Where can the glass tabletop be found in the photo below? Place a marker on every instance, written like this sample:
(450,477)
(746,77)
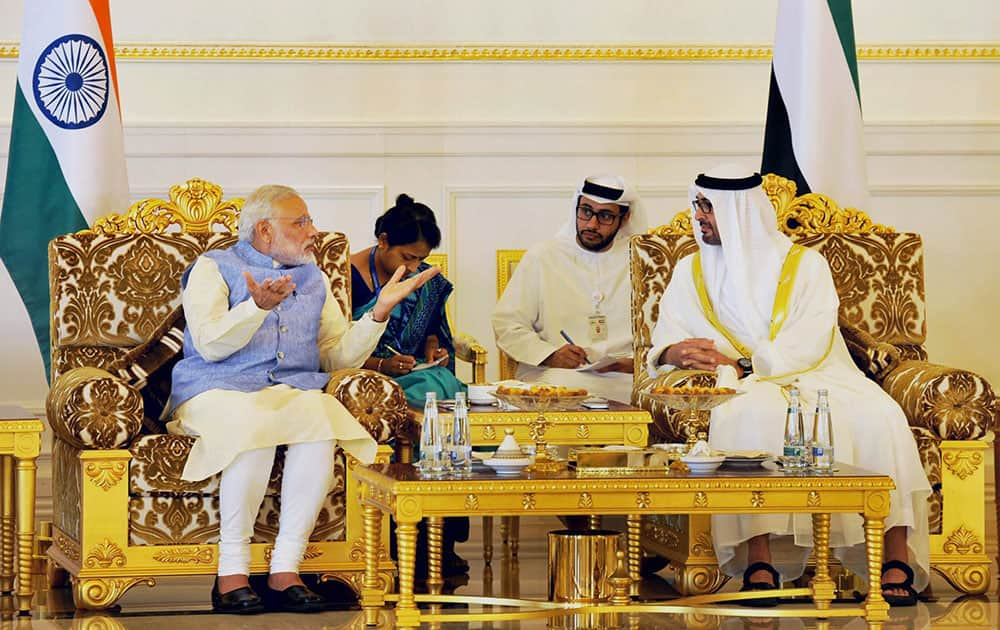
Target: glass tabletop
(481,472)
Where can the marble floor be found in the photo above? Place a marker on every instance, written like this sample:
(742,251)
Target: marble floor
(186,602)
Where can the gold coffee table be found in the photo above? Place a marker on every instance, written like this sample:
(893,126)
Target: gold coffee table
(399,490)
(20,443)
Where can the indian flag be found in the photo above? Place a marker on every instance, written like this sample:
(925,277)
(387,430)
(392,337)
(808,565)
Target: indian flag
(66,163)
(814,132)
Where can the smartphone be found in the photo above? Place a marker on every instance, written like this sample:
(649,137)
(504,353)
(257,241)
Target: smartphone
(595,402)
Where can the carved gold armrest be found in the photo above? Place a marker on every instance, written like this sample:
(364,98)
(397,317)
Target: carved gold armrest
(376,401)
(471,351)
(91,408)
(954,404)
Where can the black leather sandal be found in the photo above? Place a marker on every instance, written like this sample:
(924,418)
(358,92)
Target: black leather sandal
(910,599)
(763,602)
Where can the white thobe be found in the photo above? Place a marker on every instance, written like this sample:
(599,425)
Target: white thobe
(870,429)
(228,423)
(556,287)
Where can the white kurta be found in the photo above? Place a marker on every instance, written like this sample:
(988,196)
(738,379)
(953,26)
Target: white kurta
(870,429)
(555,287)
(228,423)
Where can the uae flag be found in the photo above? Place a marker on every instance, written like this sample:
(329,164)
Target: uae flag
(814,132)
(66,164)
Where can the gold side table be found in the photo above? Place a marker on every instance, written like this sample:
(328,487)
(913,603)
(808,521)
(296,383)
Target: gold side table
(20,443)
(619,424)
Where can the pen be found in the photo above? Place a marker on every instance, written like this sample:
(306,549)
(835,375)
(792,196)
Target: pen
(570,342)
(392,350)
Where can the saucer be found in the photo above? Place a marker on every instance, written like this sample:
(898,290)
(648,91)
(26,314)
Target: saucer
(481,402)
(508,465)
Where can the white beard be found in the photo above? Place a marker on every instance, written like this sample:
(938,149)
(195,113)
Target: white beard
(281,251)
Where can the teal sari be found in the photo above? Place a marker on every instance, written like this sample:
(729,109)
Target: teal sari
(419,315)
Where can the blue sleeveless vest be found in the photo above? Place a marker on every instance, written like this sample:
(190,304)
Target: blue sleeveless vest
(284,349)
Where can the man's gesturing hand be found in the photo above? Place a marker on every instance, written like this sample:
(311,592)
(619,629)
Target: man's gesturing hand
(269,293)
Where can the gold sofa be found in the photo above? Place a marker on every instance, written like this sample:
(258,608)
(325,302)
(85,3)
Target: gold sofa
(122,515)
(879,277)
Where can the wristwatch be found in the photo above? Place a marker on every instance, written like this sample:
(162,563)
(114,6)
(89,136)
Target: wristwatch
(746,365)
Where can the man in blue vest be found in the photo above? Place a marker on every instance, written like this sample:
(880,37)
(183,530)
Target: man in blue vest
(263,331)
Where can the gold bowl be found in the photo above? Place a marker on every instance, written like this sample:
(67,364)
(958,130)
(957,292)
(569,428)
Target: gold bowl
(542,403)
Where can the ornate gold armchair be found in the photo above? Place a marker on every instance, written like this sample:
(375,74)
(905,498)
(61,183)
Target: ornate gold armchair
(122,515)
(880,279)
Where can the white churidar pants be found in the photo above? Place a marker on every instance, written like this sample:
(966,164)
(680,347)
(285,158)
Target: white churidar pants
(306,480)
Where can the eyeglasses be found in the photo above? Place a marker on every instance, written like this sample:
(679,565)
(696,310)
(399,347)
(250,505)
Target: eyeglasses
(586,213)
(702,204)
(300,222)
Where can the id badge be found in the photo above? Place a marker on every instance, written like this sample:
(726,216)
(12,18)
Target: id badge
(598,325)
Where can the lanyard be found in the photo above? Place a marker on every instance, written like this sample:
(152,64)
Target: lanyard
(376,285)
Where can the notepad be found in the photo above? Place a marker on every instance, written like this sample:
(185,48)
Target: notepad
(424,366)
(601,363)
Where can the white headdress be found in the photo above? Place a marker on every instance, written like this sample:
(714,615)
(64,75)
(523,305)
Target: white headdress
(609,189)
(741,275)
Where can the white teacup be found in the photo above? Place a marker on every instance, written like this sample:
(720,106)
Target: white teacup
(482,394)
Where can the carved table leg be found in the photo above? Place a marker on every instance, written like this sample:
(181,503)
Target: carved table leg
(822,584)
(876,608)
(634,525)
(372,596)
(487,540)
(7,527)
(435,525)
(406,548)
(25,530)
(514,535)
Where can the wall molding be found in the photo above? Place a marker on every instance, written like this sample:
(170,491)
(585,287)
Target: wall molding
(423,52)
(523,140)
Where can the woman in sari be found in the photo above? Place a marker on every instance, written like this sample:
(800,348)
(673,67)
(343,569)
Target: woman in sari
(417,348)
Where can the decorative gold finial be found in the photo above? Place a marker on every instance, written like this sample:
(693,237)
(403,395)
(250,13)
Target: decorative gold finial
(620,582)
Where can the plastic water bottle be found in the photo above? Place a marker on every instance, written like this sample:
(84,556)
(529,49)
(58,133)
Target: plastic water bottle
(431,462)
(822,441)
(461,438)
(795,445)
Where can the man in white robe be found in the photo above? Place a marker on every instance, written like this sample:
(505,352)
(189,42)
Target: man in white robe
(263,331)
(567,303)
(721,319)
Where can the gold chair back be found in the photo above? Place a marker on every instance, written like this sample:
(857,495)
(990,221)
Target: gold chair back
(507,260)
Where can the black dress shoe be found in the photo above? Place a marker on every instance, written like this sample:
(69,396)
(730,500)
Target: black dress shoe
(241,601)
(296,598)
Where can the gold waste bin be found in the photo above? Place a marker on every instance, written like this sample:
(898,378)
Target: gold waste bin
(581,562)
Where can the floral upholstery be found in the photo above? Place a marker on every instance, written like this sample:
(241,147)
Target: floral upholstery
(66,488)
(952,404)
(90,408)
